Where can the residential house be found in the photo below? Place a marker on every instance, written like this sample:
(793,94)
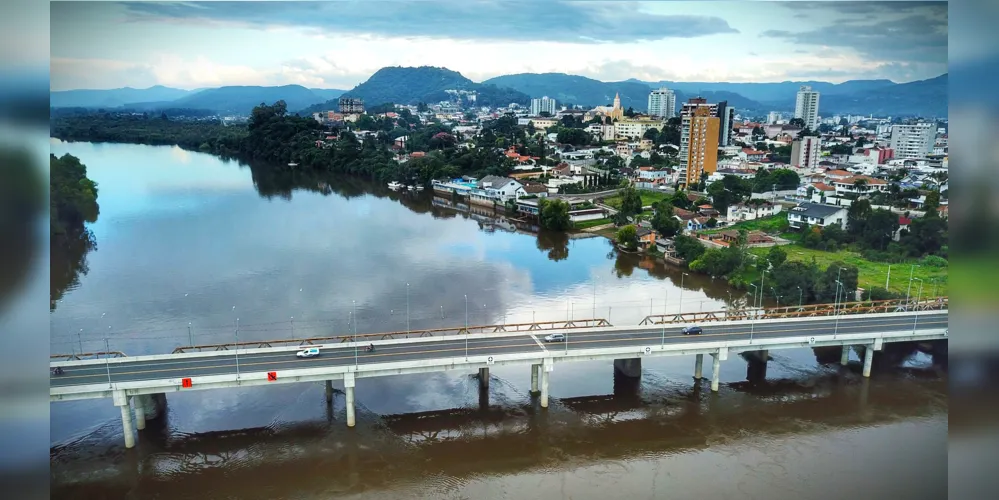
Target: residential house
(751,154)
(817,214)
(743,212)
(731,236)
(646,237)
(848,185)
(903,225)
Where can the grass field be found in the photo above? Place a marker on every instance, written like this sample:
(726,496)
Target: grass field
(591,223)
(774,224)
(648,198)
(873,273)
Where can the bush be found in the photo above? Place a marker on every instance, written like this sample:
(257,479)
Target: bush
(933,261)
(878,293)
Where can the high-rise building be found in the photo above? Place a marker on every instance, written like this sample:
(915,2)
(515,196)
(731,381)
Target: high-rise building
(544,104)
(721,110)
(805,152)
(662,103)
(351,105)
(806,106)
(698,144)
(913,140)
(773,117)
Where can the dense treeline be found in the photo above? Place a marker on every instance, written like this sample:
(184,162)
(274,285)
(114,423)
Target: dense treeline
(72,203)
(156,130)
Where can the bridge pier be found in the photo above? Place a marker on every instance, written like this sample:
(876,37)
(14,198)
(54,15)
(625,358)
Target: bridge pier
(329,392)
(535,372)
(140,412)
(121,401)
(629,367)
(348,387)
(868,360)
(716,360)
(845,356)
(698,367)
(544,386)
(484,379)
(756,365)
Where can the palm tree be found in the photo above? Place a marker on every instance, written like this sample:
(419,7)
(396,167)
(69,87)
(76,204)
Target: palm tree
(860,185)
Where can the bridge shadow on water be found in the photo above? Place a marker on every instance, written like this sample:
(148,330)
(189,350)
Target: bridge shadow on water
(446,446)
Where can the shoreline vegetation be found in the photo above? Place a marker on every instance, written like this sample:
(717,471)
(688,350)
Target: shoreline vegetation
(807,268)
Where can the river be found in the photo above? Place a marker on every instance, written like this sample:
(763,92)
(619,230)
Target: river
(189,247)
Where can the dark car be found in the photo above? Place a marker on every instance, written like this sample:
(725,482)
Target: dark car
(692,330)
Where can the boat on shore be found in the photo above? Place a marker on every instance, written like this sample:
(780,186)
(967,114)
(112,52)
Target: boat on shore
(292,164)
(394,185)
(410,188)
(419,187)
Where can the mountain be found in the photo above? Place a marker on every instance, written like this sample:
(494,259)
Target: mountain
(926,98)
(113,98)
(409,85)
(328,94)
(242,99)
(774,91)
(574,89)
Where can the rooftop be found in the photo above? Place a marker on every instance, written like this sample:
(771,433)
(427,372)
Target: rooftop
(816,210)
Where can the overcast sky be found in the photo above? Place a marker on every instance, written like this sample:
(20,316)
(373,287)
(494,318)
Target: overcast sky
(340,44)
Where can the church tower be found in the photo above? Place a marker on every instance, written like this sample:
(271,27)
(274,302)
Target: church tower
(617,113)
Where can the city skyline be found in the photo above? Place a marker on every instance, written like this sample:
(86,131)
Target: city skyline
(340,44)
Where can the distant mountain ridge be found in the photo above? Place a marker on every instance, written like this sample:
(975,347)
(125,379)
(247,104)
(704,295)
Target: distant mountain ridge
(229,99)
(412,85)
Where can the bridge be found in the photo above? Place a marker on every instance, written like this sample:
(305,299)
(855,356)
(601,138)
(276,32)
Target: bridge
(143,381)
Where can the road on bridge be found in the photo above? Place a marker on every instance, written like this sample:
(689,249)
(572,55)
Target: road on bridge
(454,347)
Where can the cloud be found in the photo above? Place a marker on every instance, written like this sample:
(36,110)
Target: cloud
(165,69)
(865,7)
(574,22)
(916,38)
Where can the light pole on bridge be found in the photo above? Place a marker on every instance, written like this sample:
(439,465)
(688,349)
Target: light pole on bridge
(236,344)
(680,307)
(353,313)
(752,319)
(107,360)
(918,295)
(407,309)
(836,327)
(466,327)
(800,295)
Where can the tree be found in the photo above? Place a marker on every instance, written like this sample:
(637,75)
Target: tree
(663,221)
(627,237)
(776,256)
(631,201)
(932,203)
(72,196)
(554,214)
(879,229)
(797,122)
(689,249)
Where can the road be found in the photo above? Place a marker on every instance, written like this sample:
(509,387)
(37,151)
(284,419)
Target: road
(225,361)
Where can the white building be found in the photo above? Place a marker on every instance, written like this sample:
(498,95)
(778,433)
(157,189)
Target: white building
(601,132)
(544,104)
(773,118)
(752,212)
(662,103)
(624,129)
(913,141)
(805,152)
(817,214)
(806,106)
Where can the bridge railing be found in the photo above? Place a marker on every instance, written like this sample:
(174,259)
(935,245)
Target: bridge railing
(430,332)
(805,311)
(87,355)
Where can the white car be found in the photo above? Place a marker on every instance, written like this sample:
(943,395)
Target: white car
(555,337)
(308,353)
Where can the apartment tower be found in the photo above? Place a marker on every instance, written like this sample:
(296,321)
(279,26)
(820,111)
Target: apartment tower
(699,144)
(806,106)
(662,103)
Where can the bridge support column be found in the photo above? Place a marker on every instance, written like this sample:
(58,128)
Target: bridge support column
(348,386)
(484,379)
(698,366)
(121,401)
(140,411)
(715,371)
(329,392)
(868,360)
(629,367)
(845,356)
(544,386)
(535,372)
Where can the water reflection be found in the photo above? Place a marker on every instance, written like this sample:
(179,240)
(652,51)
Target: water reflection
(68,261)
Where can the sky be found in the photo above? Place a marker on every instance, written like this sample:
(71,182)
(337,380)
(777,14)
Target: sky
(339,44)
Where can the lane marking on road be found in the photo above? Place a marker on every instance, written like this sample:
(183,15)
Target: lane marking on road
(437,351)
(540,343)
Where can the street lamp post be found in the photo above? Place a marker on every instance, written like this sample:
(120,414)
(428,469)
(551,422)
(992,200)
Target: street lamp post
(466,327)
(909,289)
(79,336)
(800,295)
(752,319)
(236,344)
(407,309)
(772,289)
(680,307)
(353,318)
(836,328)
(107,360)
(918,295)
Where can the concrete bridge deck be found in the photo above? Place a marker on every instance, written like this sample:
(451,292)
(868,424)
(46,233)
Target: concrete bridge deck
(126,377)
